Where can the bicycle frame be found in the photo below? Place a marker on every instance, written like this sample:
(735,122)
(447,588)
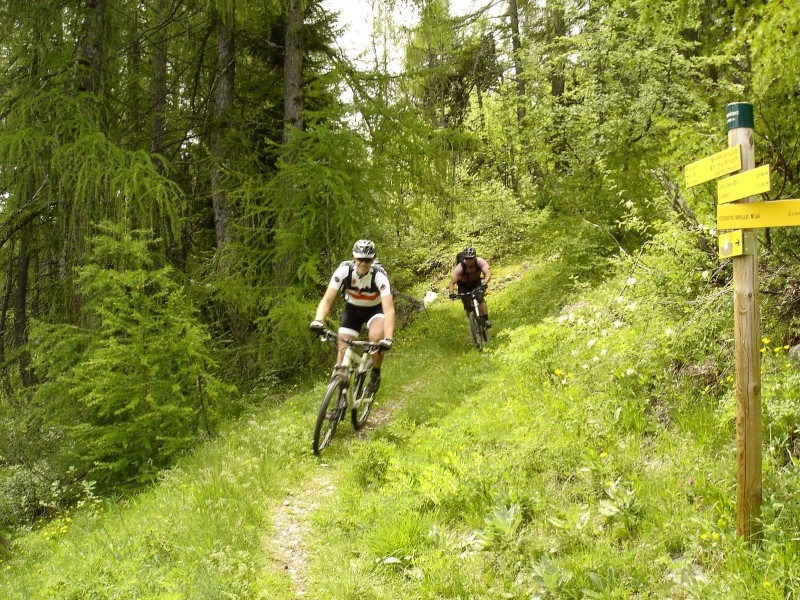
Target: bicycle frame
(479,334)
(474,299)
(354,363)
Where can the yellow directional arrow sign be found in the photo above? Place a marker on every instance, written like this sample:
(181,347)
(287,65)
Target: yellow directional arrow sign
(751,215)
(730,244)
(743,185)
(714,166)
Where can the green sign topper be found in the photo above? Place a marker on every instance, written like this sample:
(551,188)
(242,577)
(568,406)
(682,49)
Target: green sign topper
(739,114)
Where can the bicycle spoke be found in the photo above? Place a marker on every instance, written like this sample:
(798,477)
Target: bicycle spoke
(330,412)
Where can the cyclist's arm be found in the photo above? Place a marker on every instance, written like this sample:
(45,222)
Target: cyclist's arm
(326,303)
(487,271)
(334,286)
(454,279)
(387,304)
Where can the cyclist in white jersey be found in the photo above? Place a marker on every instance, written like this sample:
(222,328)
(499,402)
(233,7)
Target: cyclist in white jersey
(368,301)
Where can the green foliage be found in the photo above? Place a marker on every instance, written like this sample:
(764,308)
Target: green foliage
(587,454)
(581,456)
(202,531)
(289,347)
(588,465)
(373,462)
(774,42)
(135,385)
(295,224)
(501,525)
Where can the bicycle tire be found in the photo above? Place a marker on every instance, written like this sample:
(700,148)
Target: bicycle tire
(476,330)
(483,337)
(325,427)
(363,400)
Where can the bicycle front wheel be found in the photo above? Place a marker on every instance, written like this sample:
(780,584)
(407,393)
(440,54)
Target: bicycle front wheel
(329,415)
(476,330)
(363,399)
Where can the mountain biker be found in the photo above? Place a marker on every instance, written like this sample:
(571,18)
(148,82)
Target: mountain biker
(472,273)
(368,300)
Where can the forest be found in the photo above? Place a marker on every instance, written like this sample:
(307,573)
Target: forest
(179,178)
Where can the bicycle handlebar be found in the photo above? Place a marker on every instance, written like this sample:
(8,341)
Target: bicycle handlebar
(481,288)
(329,336)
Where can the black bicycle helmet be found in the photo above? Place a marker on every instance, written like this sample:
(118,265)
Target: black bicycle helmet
(364,249)
(469,252)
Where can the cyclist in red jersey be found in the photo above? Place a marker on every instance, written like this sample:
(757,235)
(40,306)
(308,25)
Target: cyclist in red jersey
(472,272)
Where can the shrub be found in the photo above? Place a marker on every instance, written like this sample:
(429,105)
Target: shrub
(135,385)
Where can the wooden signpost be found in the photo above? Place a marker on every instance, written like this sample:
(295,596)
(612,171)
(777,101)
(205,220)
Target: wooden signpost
(747,336)
(739,212)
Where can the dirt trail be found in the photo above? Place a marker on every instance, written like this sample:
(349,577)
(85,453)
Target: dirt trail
(291,525)
(291,521)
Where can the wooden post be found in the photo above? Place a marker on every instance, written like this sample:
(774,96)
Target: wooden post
(747,333)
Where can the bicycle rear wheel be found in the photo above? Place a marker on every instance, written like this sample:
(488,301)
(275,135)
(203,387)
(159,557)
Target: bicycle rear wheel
(476,330)
(363,399)
(330,412)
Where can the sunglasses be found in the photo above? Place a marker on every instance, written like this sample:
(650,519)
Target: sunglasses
(365,260)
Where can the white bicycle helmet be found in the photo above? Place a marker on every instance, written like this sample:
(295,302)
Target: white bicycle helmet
(469,252)
(364,249)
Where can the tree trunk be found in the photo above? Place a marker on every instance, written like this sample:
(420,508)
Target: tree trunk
(159,89)
(293,71)
(20,306)
(556,29)
(90,55)
(516,46)
(292,123)
(223,103)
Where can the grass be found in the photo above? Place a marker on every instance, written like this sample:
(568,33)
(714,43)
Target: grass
(589,453)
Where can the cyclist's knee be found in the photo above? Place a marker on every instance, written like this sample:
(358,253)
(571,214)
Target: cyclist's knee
(375,332)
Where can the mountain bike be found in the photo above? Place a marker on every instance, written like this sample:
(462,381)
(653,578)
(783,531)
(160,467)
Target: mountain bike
(347,390)
(476,328)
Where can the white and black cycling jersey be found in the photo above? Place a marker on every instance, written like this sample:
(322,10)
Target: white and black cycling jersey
(358,290)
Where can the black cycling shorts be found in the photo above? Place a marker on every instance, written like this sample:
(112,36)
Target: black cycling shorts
(463,288)
(354,317)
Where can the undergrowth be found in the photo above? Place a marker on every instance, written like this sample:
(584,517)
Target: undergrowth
(588,453)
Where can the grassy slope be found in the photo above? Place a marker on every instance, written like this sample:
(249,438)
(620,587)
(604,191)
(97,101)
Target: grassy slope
(571,460)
